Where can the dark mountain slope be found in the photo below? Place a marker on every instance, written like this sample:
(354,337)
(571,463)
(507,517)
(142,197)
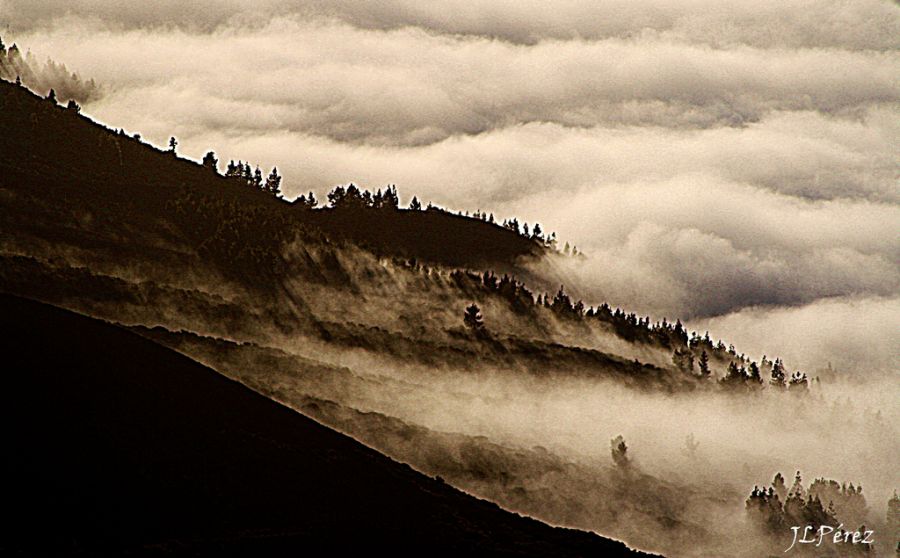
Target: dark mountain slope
(59,154)
(115,444)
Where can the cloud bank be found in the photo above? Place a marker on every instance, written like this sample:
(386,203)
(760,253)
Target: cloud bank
(734,164)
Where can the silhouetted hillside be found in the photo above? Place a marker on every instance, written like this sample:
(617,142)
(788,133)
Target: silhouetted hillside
(114,444)
(53,151)
(128,210)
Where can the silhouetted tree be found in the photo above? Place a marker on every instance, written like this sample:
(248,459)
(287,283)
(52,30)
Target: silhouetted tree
(779,486)
(73,106)
(210,161)
(562,304)
(735,375)
(257,178)
(390,199)
(679,334)
(349,198)
(764,508)
(173,143)
(754,375)
(704,363)
(336,196)
(778,375)
(415,205)
(273,182)
(798,382)
(308,201)
(51,96)
(578,308)
(472,318)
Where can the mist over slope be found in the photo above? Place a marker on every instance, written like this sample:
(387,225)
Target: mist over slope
(121,446)
(354,316)
(758,138)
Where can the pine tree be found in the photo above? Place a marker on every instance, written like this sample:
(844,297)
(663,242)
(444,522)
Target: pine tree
(210,162)
(779,486)
(562,304)
(390,199)
(778,376)
(415,205)
(704,363)
(311,200)
(51,96)
(336,196)
(173,143)
(273,183)
(257,178)
(472,318)
(735,375)
(754,373)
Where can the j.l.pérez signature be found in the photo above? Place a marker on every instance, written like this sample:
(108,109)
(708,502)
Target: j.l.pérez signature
(824,532)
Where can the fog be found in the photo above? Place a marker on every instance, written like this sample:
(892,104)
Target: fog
(733,165)
(543,435)
(707,160)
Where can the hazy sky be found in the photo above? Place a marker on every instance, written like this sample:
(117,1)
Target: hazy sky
(732,162)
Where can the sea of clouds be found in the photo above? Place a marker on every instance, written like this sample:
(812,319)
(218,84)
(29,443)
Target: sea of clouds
(732,163)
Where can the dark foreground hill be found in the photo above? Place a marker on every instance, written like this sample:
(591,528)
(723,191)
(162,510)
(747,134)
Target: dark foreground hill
(114,445)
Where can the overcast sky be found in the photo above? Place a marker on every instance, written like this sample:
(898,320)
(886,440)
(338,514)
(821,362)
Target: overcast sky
(731,162)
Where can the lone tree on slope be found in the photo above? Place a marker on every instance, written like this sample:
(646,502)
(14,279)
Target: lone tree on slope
(472,318)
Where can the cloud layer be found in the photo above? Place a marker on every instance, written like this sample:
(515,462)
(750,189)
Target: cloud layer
(710,158)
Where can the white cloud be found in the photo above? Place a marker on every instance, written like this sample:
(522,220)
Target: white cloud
(708,157)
